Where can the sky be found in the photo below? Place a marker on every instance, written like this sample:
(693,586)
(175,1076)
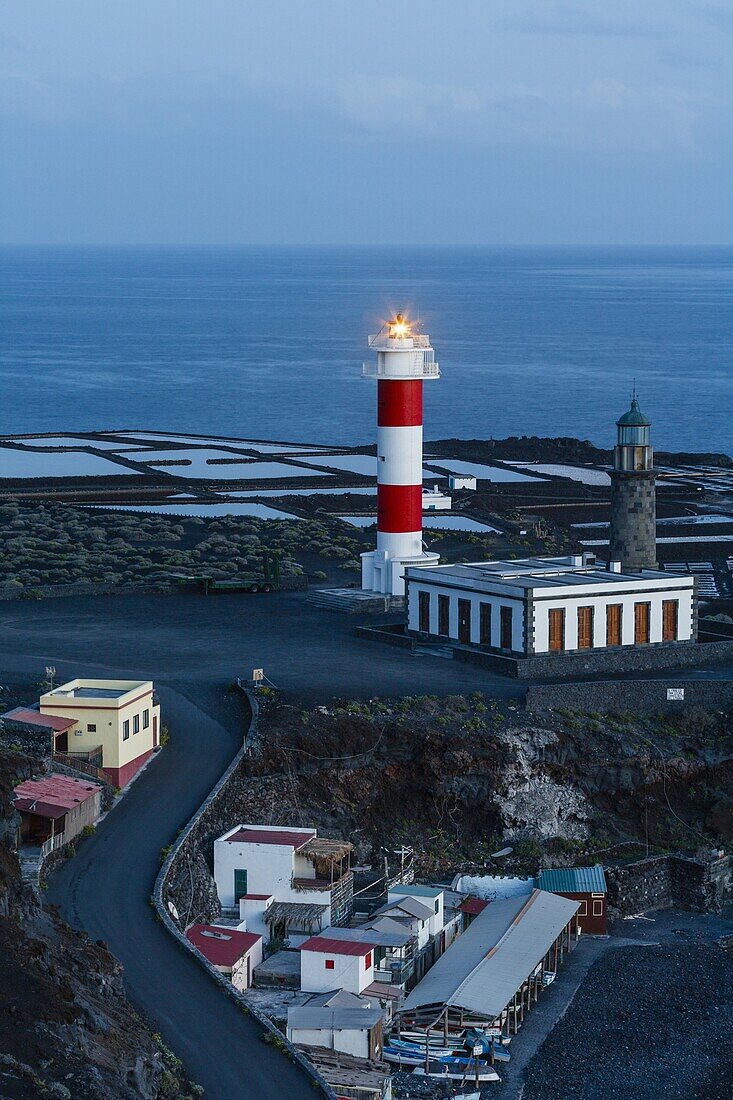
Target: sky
(319,122)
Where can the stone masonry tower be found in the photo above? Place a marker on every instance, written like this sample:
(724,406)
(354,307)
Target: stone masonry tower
(633,502)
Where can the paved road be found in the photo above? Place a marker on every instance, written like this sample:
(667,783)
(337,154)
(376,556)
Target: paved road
(193,648)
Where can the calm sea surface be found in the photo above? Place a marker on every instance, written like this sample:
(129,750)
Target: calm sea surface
(269,343)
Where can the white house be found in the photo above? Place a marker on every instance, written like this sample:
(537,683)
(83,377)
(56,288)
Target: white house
(413,915)
(435,501)
(234,953)
(327,964)
(461,481)
(355,1031)
(430,896)
(286,881)
(550,605)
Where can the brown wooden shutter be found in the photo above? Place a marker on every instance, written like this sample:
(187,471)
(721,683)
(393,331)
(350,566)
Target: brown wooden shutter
(424,611)
(485,623)
(557,629)
(443,615)
(507,616)
(642,615)
(613,624)
(670,620)
(464,622)
(585,628)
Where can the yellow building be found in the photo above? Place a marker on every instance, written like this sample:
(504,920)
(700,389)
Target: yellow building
(117,720)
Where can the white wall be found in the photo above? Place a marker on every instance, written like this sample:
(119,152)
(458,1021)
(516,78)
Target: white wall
(270,869)
(655,593)
(349,1040)
(241,975)
(349,972)
(599,603)
(435,924)
(496,601)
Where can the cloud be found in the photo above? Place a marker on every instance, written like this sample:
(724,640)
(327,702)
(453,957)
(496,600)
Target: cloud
(576,19)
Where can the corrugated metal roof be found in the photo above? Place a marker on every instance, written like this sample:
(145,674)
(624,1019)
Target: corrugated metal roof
(328,946)
(411,906)
(29,717)
(377,936)
(53,796)
(573,880)
(417,891)
(485,966)
(283,837)
(340,1019)
(473,906)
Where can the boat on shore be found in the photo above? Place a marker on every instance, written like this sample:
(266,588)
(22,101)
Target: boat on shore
(485,1073)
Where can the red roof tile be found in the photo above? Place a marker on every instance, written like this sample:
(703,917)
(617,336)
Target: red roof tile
(53,795)
(255,897)
(336,947)
(283,837)
(35,718)
(221,946)
(473,906)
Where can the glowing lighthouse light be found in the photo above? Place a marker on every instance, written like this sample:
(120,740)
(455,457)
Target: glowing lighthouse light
(404,360)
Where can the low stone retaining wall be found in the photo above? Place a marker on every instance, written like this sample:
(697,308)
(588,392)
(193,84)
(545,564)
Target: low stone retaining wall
(182,847)
(666,696)
(704,885)
(295,583)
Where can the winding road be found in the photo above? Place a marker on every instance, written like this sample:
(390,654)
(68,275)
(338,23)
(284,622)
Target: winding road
(193,648)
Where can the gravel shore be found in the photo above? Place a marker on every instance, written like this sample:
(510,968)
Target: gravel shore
(649,1021)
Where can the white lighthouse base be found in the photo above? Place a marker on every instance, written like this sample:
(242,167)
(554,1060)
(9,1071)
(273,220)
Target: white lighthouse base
(382,572)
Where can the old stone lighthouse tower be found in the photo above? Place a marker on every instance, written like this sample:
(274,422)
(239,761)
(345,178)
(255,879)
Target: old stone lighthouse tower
(633,504)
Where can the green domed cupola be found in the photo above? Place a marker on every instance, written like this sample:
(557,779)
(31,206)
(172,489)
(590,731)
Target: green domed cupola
(633,440)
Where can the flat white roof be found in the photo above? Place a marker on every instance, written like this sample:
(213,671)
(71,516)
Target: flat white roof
(533,574)
(95,689)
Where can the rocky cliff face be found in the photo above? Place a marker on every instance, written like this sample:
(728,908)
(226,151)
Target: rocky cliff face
(66,1028)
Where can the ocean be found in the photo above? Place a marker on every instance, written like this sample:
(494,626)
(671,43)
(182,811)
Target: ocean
(269,343)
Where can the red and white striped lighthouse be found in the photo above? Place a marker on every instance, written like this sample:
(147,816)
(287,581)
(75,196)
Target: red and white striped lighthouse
(404,360)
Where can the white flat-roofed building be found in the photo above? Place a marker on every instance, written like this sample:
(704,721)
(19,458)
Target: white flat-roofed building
(285,881)
(537,606)
(461,481)
(435,501)
(355,1031)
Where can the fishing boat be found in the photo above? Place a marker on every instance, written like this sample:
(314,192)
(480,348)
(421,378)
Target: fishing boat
(440,1052)
(485,1073)
(416,1058)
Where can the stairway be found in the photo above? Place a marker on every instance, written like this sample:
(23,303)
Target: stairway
(350,600)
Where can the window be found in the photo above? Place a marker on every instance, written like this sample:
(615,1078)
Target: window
(437,904)
(670,620)
(146,719)
(507,627)
(329,964)
(443,615)
(613,623)
(485,624)
(136,723)
(91,727)
(597,908)
(240,883)
(423,607)
(557,629)
(125,730)
(642,615)
(585,628)
(583,911)
(367,960)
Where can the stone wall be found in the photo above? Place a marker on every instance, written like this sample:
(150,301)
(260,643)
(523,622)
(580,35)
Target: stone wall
(704,884)
(559,666)
(631,696)
(297,583)
(633,530)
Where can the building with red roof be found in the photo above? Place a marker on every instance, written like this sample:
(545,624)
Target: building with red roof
(54,809)
(235,954)
(327,964)
(287,883)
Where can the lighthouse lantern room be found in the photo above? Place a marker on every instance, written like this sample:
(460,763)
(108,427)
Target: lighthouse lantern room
(404,360)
